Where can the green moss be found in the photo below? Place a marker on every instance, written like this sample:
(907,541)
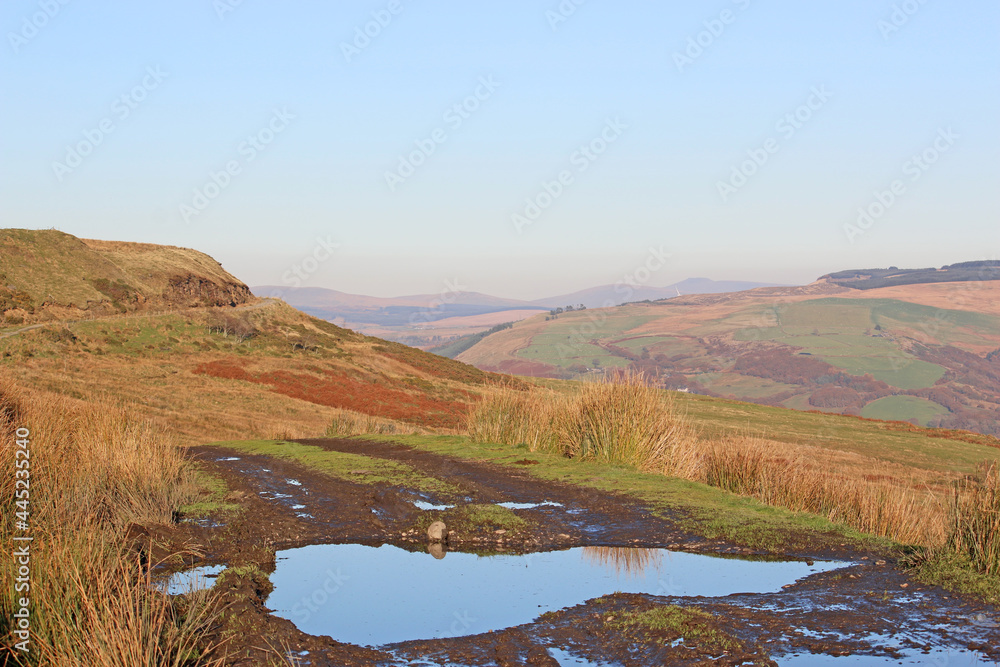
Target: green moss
(348,467)
(956,573)
(492,517)
(212,492)
(693,626)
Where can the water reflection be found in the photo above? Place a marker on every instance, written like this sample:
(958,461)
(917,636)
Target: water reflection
(625,560)
(386,594)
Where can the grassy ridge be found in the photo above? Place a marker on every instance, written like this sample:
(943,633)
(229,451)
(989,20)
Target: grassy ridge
(48,274)
(865,348)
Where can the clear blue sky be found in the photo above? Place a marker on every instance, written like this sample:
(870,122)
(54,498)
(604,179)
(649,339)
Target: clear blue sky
(890,87)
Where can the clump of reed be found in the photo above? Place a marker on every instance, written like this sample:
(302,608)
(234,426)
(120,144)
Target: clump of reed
(622,420)
(95,469)
(510,415)
(347,423)
(975,521)
(783,475)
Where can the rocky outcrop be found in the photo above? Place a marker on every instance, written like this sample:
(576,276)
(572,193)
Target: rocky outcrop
(192,290)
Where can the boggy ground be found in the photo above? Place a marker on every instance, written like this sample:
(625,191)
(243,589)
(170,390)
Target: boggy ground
(360,491)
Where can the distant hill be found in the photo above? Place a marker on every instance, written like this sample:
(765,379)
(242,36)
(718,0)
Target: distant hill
(928,353)
(876,278)
(605,296)
(45,274)
(393,311)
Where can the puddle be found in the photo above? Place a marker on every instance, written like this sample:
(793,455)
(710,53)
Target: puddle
(202,522)
(298,507)
(229,458)
(941,657)
(529,506)
(373,596)
(197,579)
(567,659)
(424,505)
(294,482)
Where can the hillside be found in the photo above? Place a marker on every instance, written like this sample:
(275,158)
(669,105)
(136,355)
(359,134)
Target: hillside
(209,360)
(47,275)
(923,353)
(621,293)
(866,279)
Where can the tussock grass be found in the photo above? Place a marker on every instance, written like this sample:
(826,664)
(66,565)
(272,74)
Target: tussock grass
(788,476)
(347,423)
(624,421)
(511,416)
(975,529)
(95,469)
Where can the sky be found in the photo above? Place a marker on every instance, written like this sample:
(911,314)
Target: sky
(521,149)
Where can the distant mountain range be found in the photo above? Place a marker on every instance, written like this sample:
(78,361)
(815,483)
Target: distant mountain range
(606,296)
(419,309)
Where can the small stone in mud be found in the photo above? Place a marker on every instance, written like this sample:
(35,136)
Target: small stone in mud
(437,532)
(500,532)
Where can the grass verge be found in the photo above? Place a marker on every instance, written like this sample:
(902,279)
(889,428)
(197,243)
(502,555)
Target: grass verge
(95,469)
(344,466)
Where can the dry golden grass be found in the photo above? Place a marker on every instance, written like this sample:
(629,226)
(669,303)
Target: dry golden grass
(95,469)
(624,421)
(800,478)
(976,521)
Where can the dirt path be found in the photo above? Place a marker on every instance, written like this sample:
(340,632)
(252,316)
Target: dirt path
(871,607)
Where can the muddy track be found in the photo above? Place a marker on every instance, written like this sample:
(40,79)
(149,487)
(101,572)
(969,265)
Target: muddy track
(871,607)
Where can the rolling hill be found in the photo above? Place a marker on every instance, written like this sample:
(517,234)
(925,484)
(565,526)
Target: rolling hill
(928,353)
(46,275)
(620,293)
(429,321)
(169,330)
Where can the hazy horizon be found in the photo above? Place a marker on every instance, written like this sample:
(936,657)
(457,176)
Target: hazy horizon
(522,150)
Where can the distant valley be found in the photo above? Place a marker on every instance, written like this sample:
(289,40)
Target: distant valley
(924,352)
(430,320)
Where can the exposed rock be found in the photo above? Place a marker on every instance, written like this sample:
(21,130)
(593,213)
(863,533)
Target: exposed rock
(437,532)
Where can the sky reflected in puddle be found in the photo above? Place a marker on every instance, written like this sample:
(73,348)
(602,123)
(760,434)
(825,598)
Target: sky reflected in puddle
(373,596)
(197,579)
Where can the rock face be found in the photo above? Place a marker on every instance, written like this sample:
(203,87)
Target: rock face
(195,290)
(437,532)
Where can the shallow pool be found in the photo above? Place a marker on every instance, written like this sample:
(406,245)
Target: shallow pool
(374,596)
